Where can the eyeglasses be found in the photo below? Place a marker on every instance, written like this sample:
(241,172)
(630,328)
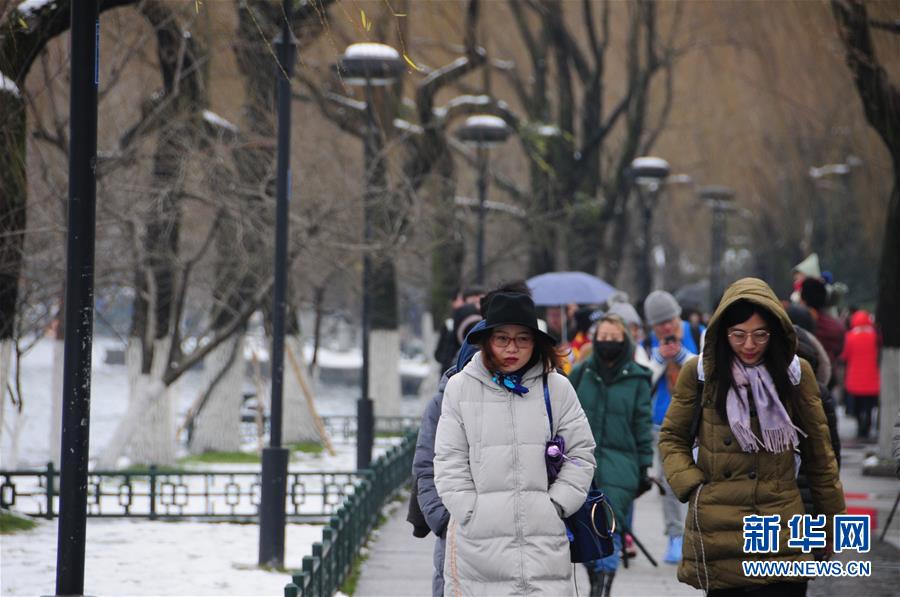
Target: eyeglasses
(758,338)
(521,341)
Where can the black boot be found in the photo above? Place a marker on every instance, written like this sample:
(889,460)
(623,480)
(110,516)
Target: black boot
(607,584)
(596,580)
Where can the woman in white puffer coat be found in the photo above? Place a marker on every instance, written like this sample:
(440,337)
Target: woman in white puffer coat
(506,534)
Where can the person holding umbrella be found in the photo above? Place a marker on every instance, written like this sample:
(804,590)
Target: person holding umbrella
(506,535)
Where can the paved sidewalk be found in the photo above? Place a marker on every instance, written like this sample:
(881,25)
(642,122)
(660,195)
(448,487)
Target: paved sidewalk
(401,565)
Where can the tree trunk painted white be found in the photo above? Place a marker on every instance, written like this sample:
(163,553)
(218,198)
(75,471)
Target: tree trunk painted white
(384,372)
(146,434)
(133,357)
(11,460)
(889,401)
(6,346)
(217,427)
(299,425)
(429,342)
(56,400)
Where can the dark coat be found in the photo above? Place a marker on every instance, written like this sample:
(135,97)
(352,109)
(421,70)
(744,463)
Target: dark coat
(725,483)
(619,415)
(432,508)
(807,349)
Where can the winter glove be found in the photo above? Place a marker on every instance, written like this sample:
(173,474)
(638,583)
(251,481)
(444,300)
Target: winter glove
(644,484)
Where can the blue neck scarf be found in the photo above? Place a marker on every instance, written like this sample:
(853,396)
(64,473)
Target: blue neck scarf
(511,382)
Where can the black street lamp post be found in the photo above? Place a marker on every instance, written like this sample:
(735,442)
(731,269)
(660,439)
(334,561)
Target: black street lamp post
(368,65)
(275,457)
(482,131)
(76,399)
(649,174)
(718,198)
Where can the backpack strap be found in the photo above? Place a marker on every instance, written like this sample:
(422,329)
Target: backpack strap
(547,404)
(698,413)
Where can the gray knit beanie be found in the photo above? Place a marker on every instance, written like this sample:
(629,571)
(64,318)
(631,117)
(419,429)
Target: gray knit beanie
(660,306)
(628,313)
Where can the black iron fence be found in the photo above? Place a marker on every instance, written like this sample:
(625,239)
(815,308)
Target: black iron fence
(332,558)
(175,494)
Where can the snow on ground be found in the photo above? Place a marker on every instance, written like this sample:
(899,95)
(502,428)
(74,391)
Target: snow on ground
(140,557)
(131,557)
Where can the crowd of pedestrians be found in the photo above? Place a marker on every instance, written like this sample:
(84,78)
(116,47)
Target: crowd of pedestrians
(729,414)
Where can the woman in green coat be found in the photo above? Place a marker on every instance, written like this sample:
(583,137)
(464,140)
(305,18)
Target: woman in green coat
(758,409)
(614,392)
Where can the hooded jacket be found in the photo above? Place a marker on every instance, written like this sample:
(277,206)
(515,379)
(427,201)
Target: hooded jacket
(861,355)
(726,484)
(506,535)
(618,411)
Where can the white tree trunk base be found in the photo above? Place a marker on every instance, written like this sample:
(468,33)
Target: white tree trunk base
(56,399)
(384,372)
(429,342)
(889,400)
(146,434)
(6,347)
(299,425)
(217,427)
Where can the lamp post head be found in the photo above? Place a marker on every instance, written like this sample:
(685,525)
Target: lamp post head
(649,169)
(370,64)
(649,172)
(717,197)
(716,193)
(483,130)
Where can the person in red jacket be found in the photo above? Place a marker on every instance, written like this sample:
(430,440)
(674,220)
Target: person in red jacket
(862,380)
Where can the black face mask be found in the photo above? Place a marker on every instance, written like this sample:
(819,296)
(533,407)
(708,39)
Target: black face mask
(608,350)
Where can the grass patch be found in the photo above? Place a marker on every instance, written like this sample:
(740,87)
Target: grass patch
(143,469)
(348,587)
(307,447)
(390,433)
(13,523)
(222,458)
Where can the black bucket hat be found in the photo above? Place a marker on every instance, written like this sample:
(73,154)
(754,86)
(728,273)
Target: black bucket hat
(509,308)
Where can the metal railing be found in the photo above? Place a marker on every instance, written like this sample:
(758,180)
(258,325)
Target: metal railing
(221,495)
(175,494)
(332,559)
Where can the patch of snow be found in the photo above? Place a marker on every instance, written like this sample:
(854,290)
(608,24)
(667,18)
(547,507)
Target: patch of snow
(214,119)
(29,7)
(405,125)
(186,558)
(7,85)
(548,130)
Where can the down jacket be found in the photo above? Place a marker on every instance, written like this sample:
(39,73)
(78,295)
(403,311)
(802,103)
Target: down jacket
(725,484)
(618,411)
(506,535)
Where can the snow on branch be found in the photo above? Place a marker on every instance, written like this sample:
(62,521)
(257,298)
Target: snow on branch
(30,7)
(7,85)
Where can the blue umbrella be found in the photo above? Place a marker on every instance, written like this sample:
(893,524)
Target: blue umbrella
(562,288)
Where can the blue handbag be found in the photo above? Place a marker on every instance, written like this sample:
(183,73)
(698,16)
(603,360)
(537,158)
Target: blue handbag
(590,529)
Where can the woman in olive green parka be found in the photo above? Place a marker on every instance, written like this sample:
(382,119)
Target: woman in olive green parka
(760,410)
(614,392)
